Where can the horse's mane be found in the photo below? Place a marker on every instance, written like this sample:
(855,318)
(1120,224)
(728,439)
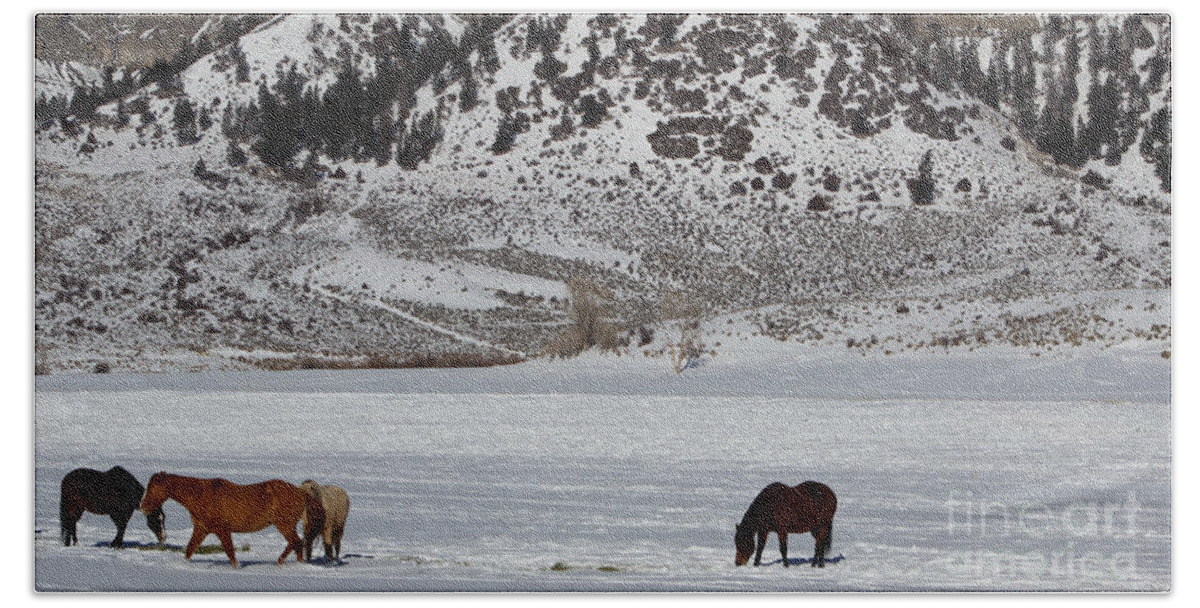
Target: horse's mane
(762,502)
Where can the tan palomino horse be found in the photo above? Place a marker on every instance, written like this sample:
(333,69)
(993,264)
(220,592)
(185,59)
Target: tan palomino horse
(336,505)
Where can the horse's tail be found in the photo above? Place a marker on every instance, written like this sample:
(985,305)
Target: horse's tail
(66,514)
(827,541)
(314,514)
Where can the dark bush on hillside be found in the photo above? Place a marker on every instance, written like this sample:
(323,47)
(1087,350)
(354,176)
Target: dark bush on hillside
(831,182)
(1095,180)
(763,165)
(735,143)
(645,335)
(783,181)
(921,189)
(820,202)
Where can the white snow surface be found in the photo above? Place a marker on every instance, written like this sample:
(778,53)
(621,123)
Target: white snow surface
(991,470)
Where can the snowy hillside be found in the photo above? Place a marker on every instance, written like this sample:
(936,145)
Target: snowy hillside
(349,190)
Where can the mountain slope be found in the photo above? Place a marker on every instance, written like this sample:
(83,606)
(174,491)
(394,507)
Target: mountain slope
(429,184)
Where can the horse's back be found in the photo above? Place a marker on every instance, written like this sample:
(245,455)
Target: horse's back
(288,499)
(82,478)
(102,493)
(124,483)
(821,494)
(336,503)
(247,507)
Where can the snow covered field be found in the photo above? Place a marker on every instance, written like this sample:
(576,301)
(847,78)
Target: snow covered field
(972,471)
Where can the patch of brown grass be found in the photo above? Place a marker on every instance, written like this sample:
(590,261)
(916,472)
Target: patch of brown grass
(380,361)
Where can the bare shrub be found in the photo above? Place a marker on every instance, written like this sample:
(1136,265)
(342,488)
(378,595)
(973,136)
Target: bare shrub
(685,314)
(588,325)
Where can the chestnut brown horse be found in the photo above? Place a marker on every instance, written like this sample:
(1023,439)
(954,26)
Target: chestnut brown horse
(221,507)
(784,510)
(114,493)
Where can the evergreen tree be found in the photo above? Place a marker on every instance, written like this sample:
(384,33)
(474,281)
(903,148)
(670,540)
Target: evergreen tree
(203,119)
(418,143)
(1156,146)
(241,66)
(971,75)
(346,127)
(383,134)
(1024,85)
(1070,89)
(946,64)
(185,122)
(1095,45)
(278,142)
(995,87)
(921,189)
(1104,110)
(234,155)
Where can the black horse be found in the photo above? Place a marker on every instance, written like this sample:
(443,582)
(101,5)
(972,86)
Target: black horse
(808,507)
(114,493)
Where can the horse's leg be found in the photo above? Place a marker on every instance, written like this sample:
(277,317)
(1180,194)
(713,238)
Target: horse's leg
(198,534)
(69,517)
(762,543)
(308,546)
(69,512)
(121,520)
(226,539)
(337,542)
(782,532)
(327,539)
(294,543)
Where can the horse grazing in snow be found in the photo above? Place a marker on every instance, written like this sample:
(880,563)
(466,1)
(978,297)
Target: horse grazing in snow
(808,507)
(114,493)
(221,507)
(330,524)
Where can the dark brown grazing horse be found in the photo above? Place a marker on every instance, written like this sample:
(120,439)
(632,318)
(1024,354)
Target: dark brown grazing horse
(114,493)
(221,507)
(784,510)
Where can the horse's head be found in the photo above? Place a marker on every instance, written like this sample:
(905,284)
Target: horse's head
(311,488)
(153,499)
(743,542)
(157,521)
